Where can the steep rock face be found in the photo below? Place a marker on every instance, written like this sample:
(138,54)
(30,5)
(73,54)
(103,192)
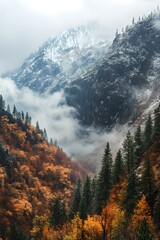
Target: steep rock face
(62,59)
(119,87)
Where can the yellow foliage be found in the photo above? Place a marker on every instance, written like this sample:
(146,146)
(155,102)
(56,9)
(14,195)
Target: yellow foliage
(93,228)
(141,212)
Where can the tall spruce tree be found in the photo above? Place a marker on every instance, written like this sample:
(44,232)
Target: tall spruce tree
(118,168)
(156,129)
(129,152)
(147,180)
(77,197)
(156,211)
(104,181)
(2,103)
(131,195)
(148,132)
(139,148)
(59,215)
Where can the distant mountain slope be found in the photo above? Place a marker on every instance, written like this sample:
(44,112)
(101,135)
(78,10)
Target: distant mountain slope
(62,59)
(126,82)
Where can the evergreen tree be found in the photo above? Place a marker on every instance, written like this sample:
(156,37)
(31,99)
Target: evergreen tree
(37,126)
(77,197)
(104,181)
(51,142)
(138,144)
(8,109)
(2,103)
(144,232)
(156,130)
(45,134)
(129,152)
(118,167)
(87,194)
(131,195)
(148,132)
(14,112)
(22,116)
(26,118)
(147,180)
(59,215)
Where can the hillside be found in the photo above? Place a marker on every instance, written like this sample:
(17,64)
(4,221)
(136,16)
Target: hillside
(32,173)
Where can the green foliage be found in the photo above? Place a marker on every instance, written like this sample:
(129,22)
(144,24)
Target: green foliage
(147,180)
(131,195)
(129,152)
(118,167)
(59,215)
(77,197)
(148,132)
(104,181)
(139,147)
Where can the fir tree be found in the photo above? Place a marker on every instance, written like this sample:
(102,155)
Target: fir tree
(87,194)
(148,132)
(22,116)
(156,130)
(8,109)
(138,144)
(37,126)
(2,103)
(77,197)
(118,167)
(131,195)
(14,112)
(104,181)
(144,232)
(45,134)
(147,180)
(129,152)
(59,215)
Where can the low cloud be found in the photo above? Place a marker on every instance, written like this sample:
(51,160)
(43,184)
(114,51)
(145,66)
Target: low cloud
(80,143)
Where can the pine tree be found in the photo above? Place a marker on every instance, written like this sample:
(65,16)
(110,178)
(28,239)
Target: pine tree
(131,195)
(87,194)
(8,109)
(144,232)
(129,152)
(2,103)
(37,126)
(104,181)
(118,167)
(26,118)
(45,134)
(147,180)
(77,197)
(22,116)
(156,129)
(148,132)
(14,112)
(138,144)
(59,215)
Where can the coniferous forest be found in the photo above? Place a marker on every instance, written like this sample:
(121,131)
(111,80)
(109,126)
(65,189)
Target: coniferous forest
(46,196)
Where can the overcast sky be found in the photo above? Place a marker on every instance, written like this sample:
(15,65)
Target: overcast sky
(26,24)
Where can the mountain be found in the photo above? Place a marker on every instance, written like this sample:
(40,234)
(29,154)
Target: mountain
(32,173)
(62,59)
(126,82)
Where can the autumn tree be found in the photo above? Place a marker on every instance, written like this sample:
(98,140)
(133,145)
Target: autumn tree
(142,213)
(104,181)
